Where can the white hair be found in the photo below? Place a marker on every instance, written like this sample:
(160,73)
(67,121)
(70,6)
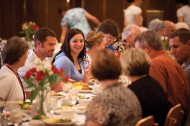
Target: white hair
(182,25)
(130,29)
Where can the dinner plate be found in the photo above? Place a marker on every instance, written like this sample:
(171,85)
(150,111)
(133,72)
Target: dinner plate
(50,122)
(84,91)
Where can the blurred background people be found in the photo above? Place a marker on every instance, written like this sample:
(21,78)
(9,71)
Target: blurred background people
(71,57)
(15,53)
(115,105)
(179,25)
(158,26)
(111,30)
(183,10)
(165,70)
(75,18)
(130,33)
(133,13)
(169,28)
(135,65)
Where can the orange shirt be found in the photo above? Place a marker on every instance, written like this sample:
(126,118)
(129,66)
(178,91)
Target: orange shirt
(172,78)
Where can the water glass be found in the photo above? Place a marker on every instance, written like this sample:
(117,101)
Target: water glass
(2,105)
(73,96)
(16,116)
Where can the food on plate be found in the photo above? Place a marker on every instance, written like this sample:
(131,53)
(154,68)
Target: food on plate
(81,86)
(56,120)
(25,105)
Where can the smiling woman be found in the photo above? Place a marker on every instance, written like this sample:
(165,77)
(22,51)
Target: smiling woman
(71,56)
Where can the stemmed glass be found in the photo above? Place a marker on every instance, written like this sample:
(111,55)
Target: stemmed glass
(16,115)
(73,96)
(2,104)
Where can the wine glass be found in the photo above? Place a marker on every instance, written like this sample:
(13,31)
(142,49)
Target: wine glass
(73,96)
(2,105)
(16,116)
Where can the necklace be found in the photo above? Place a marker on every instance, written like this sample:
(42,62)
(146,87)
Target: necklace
(16,74)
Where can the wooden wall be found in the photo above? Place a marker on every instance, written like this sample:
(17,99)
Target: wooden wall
(44,12)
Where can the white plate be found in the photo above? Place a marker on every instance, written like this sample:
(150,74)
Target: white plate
(57,123)
(84,91)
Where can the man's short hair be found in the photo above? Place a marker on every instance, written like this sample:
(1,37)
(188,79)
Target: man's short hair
(150,38)
(182,33)
(42,34)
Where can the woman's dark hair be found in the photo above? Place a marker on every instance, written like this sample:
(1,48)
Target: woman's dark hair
(107,67)
(109,26)
(14,49)
(66,48)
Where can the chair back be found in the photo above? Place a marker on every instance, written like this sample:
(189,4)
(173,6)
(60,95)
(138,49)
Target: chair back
(174,116)
(147,121)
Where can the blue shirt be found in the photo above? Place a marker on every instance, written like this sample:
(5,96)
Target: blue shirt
(62,61)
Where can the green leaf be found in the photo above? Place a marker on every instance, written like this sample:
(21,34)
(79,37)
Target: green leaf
(33,95)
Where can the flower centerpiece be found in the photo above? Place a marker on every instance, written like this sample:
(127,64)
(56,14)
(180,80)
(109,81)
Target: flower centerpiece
(28,29)
(165,43)
(40,79)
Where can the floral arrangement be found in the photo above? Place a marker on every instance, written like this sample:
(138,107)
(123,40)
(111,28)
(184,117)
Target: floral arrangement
(165,43)
(29,28)
(41,78)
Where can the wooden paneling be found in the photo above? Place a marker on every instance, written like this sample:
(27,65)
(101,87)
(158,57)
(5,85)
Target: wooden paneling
(44,12)
(11,16)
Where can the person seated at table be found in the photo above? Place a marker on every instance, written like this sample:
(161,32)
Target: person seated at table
(45,41)
(95,41)
(71,57)
(135,65)
(15,53)
(111,30)
(115,105)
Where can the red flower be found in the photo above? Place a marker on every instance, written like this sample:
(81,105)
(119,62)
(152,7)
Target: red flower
(66,78)
(28,74)
(40,75)
(57,71)
(33,70)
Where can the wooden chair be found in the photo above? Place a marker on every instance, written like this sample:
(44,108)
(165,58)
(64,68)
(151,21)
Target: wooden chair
(174,116)
(147,121)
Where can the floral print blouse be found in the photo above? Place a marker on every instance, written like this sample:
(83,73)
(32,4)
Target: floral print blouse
(115,106)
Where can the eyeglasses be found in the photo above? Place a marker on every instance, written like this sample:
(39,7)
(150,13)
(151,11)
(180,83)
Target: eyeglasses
(110,38)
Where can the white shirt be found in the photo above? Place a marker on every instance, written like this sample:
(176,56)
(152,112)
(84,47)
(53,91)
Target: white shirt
(130,13)
(184,12)
(10,88)
(30,63)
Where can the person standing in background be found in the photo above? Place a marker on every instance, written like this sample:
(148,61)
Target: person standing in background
(75,18)
(183,10)
(133,13)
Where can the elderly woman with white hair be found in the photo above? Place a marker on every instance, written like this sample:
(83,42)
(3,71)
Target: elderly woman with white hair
(158,26)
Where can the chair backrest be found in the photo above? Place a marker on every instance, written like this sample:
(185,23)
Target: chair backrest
(147,121)
(174,116)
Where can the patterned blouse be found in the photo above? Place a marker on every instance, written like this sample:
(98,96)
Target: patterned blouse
(75,18)
(115,106)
